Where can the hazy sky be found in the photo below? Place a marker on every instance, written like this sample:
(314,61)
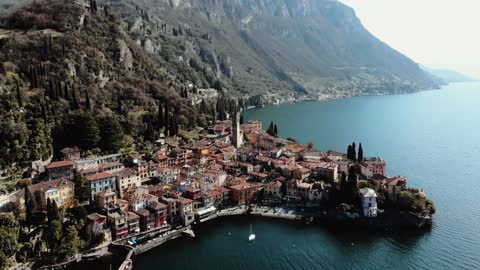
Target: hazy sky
(436,33)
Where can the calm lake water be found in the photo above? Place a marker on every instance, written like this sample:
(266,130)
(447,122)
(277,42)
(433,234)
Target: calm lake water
(430,137)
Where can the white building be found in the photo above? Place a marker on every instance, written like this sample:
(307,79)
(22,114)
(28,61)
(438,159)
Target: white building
(100,182)
(369,202)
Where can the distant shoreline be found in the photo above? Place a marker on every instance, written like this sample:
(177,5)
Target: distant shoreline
(347,96)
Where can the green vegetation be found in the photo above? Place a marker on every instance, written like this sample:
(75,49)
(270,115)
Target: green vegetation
(82,188)
(53,238)
(272,129)
(352,152)
(85,85)
(360,153)
(414,201)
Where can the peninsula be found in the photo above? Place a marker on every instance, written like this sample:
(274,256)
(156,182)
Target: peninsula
(141,199)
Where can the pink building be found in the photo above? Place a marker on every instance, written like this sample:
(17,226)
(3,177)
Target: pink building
(375,165)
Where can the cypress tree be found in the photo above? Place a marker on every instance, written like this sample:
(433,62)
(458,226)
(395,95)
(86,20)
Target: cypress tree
(60,89)
(214,115)
(119,105)
(352,183)
(167,116)
(161,117)
(51,90)
(19,95)
(360,153)
(44,113)
(30,74)
(55,211)
(349,152)
(270,129)
(241,119)
(354,152)
(75,104)
(49,210)
(66,94)
(172,126)
(88,105)
(45,46)
(275,130)
(203,107)
(29,206)
(56,92)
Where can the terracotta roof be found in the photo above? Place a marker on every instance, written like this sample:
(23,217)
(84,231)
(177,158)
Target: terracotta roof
(58,164)
(143,212)
(213,192)
(321,164)
(43,186)
(184,200)
(243,186)
(156,206)
(395,181)
(88,170)
(98,176)
(95,216)
(222,189)
(110,165)
(126,173)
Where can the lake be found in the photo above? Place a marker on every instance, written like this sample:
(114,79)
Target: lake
(431,137)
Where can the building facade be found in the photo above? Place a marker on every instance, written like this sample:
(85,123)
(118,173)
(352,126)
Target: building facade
(101,182)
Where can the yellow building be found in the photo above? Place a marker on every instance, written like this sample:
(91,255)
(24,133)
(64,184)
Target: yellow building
(127,178)
(61,191)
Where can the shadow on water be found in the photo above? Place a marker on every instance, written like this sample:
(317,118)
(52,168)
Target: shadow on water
(112,261)
(236,229)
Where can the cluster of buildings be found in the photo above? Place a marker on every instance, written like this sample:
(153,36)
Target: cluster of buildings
(175,185)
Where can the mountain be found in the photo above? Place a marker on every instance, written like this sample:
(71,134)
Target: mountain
(448,76)
(270,47)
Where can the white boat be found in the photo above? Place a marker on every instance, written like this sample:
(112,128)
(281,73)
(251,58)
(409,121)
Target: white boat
(251,237)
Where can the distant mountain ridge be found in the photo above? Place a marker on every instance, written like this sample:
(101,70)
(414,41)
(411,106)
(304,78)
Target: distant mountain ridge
(449,76)
(271,47)
(278,48)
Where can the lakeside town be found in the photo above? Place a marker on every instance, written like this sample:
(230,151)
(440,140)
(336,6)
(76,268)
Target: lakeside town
(140,200)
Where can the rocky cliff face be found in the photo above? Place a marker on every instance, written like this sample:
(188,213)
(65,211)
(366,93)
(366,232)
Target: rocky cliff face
(313,47)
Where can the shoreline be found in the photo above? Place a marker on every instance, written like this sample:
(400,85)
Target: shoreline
(262,211)
(279,213)
(274,100)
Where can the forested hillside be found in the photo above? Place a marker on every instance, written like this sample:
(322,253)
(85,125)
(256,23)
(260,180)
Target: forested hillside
(69,75)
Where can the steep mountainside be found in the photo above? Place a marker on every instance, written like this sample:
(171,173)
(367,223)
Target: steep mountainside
(69,74)
(270,46)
